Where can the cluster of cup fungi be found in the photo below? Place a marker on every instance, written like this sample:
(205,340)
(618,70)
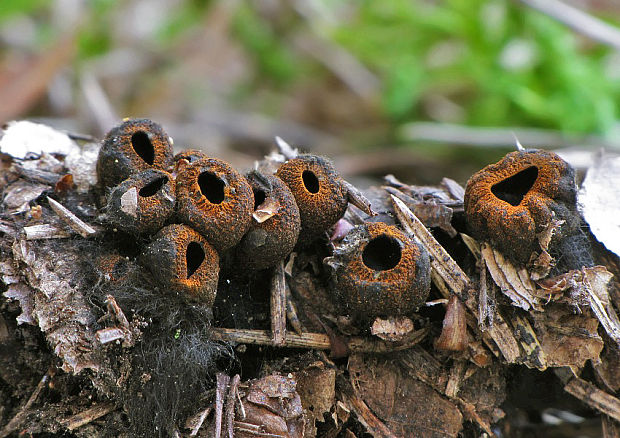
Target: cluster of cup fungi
(198,208)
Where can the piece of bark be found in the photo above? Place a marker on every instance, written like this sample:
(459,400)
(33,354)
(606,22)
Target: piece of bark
(395,398)
(316,386)
(48,268)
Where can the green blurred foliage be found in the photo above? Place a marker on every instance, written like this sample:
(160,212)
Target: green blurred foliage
(497,62)
(10,8)
(457,49)
(272,56)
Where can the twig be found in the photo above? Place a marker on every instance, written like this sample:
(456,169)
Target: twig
(230,405)
(254,430)
(45,231)
(457,281)
(196,422)
(220,392)
(498,137)
(17,420)
(288,151)
(590,394)
(611,428)
(291,312)
(278,305)
(98,102)
(91,414)
(441,261)
(578,20)
(357,198)
(318,341)
(77,224)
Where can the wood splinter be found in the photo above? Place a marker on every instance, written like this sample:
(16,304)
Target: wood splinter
(76,224)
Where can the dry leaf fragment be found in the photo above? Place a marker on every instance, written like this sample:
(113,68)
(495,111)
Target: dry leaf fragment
(316,386)
(392,329)
(454,332)
(598,201)
(64,184)
(22,138)
(266,210)
(273,406)
(514,283)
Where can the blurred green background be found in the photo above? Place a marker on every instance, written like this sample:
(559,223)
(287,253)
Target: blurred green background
(418,88)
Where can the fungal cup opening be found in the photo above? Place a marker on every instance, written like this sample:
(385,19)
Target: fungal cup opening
(212,187)
(153,187)
(144,148)
(514,188)
(311,182)
(382,253)
(259,198)
(194,256)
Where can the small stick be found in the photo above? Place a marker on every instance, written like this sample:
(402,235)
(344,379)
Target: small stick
(241,408)
(197,421)
(286,149)
(319,341)
(592,396)
(77,224)
(278,306)
(17,420)
(611,428)
(230,405)
(87,416)
(45,231)
(291,312)
(457,280)
(222,386)
(254,430)
(115,309)
(358,199)
(441,261)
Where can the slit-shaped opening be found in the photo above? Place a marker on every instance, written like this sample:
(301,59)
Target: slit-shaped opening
(153,187)
(194,256)
(141,143)
(514,188)
(211,187)
(382,253)
(311,182)
(259,197)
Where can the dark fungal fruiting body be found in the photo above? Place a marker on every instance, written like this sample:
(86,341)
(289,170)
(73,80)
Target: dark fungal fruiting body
(142,203)
(319,192)
(380,271)
(275,224)
(215,200)
(133,146)
(182,260)
(509,203)
(189,155)
(113,267)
